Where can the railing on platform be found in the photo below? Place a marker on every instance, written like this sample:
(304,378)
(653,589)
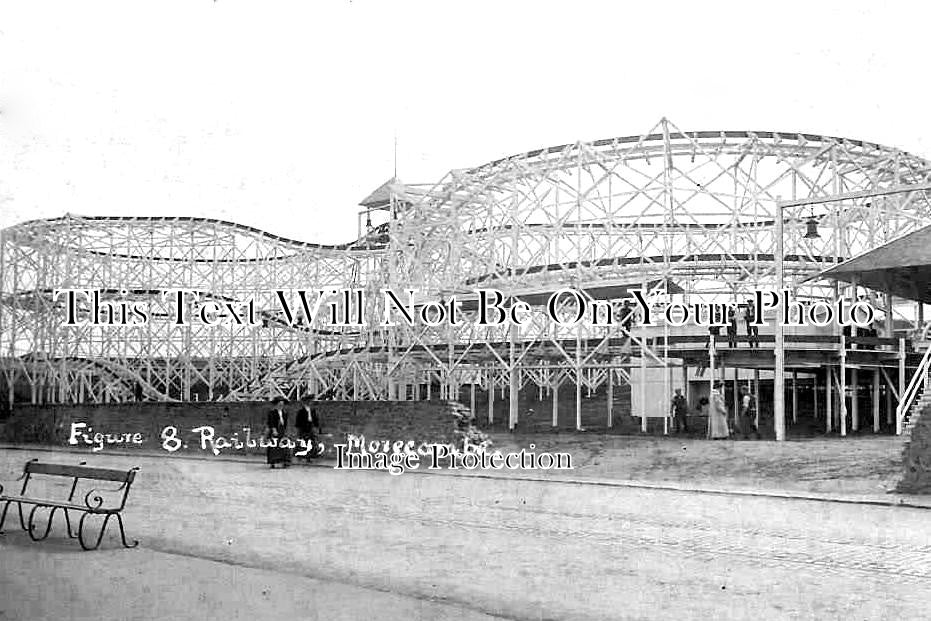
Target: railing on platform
(919,379)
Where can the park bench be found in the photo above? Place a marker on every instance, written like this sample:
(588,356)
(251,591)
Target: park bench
(106,503)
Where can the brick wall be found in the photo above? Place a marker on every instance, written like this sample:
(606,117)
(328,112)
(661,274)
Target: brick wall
(420,421)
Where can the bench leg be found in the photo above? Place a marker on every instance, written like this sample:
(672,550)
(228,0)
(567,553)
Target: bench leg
(103,528)
(119,519)
(99,535)
(6,507)
(32,525)
(22,520)
(71,533)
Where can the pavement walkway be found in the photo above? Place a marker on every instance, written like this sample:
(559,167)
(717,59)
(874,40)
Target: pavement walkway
(888,498)
(495,546)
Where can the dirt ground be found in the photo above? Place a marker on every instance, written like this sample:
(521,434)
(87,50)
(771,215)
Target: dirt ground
(234,539)
(859,465)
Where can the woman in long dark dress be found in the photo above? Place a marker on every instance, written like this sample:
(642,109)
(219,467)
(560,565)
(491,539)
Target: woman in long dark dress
(277,423)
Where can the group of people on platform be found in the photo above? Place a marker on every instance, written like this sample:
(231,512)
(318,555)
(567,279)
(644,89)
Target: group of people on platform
(715,410)
(307,424)
(753,331)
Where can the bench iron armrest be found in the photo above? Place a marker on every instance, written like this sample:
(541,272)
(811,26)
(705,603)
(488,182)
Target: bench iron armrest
(93,500)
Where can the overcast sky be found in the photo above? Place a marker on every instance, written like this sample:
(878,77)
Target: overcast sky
(283,115)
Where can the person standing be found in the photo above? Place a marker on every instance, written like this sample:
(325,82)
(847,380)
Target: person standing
(731,327)
(714,325)
(315,430)
(680,410)
(753,332)
(748,414)
(717,415)
(277,423)
(304,425)
(627,319)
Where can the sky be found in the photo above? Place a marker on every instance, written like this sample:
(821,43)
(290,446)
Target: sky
(284,115)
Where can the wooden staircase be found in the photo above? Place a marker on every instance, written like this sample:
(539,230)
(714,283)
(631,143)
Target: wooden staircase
(914,414)
(915,398)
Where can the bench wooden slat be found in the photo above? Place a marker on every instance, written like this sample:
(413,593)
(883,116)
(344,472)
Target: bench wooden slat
(83,472)
(30,500)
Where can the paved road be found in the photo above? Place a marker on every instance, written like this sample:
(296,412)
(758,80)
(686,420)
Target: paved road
(507,548)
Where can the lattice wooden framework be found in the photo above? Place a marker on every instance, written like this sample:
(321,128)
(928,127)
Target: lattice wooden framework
(681,213)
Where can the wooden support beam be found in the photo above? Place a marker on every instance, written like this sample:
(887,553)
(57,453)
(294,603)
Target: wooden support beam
(643,375)
(513,384)
(756,396)
(898,421)
(736,397)
(711,363)
(491,395)
(842,389)
(814,394)
(875,401)
(794,396)
(855,400)
(685,383)
(610,397)
(890,410)
(555,393)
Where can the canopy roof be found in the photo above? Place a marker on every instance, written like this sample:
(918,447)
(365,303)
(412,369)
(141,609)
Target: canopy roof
(380,198)
(902,267)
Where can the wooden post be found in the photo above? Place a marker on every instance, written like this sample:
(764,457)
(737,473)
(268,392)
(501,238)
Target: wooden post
(842,389)
(514,386)
(578,387)
(889,409)
(814,393)
(472,398)
(756,396)
(736,396)
(643,384)
(889,320)
(794,396)
(829,400)
(610,397)
(667,381)
(854,400)
(711,370)
(491,396)
(555,391)
(876,400)
(685,383)
(578,400)
(643,363)
(898,421)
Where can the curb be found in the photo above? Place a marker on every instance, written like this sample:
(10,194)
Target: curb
(669,487)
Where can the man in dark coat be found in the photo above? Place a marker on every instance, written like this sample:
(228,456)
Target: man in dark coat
(680,410)
(731,327)
(308,427)
(748,425)
(277,423)
(753,332)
